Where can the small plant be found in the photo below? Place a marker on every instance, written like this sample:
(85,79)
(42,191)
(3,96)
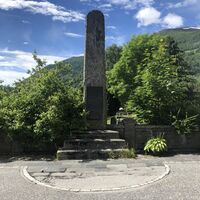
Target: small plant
(128,153)
(125,153)
(185,125)
(111,155)
(156,145)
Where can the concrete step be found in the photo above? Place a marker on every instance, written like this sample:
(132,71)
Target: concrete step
(96,134)
(87,154)
(94,144)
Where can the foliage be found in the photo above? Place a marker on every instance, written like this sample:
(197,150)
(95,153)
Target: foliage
(113,104)
(184,125)
(152,80)
(125,153)
(113,54)
(188,41)
(75,62)
(4,90)
(156,144)
(43,108)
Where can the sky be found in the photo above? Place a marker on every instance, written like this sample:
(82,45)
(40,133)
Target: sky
(55,28)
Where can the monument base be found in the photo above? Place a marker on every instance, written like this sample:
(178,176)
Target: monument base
(92,144)
(96,125)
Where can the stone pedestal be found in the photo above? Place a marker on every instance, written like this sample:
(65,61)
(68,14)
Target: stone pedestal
(94,71)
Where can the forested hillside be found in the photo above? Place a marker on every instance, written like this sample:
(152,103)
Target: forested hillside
(76,62)
(188,40)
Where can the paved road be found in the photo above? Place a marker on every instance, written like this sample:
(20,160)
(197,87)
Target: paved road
(183,182)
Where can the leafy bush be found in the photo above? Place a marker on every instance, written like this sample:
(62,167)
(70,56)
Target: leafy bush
(44,108)
(125,153)
(184,125)
(152,79)
(128,153)
(156,145)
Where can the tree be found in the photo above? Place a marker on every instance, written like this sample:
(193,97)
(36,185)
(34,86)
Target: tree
(113,54)
(4,91)
(44,108)
(152,80)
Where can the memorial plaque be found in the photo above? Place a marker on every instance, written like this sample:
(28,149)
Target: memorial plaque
(94,105)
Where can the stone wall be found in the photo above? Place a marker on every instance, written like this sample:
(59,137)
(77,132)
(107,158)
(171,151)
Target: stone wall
(175,142)
(7,146)
(137,135)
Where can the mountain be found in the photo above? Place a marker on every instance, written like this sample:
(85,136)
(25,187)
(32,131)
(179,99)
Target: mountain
(188,40)
(76,63)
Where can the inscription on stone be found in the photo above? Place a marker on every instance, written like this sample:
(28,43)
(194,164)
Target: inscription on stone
(95,103)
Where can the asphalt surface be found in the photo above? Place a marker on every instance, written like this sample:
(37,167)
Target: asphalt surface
(183,182)
(97,175)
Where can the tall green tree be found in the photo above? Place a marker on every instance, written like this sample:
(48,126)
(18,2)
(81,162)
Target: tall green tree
(152,80)
(43,108)
(113,54)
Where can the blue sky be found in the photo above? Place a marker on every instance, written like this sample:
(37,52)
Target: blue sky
(55,28)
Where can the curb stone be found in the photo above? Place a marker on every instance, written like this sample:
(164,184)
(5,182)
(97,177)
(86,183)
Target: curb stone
(27,176)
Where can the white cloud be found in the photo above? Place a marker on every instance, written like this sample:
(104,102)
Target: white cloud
(172,21)
(43,7)
(147,16)
(124,4)
(26,43)
(119,40)
(192,27)
(9,76)
(25,22)
(22,59)
(14,64)
(111,27)
(107,5)
(184,3)
(131,4)
(74,35)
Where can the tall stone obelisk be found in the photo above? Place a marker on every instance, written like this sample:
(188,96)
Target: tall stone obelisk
(94,71)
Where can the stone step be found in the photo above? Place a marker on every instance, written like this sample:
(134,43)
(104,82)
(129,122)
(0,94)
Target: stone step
(94,144)
(87,154)
(96,134)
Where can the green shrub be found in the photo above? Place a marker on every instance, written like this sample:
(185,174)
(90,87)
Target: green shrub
(156,145)
(152,79)
(43,109)
(125,153)
(184,125)
(128,153)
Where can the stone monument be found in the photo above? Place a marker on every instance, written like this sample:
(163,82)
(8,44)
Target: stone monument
(94,71)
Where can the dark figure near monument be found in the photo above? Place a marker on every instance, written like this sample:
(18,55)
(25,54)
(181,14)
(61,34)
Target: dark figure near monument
(94,71)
